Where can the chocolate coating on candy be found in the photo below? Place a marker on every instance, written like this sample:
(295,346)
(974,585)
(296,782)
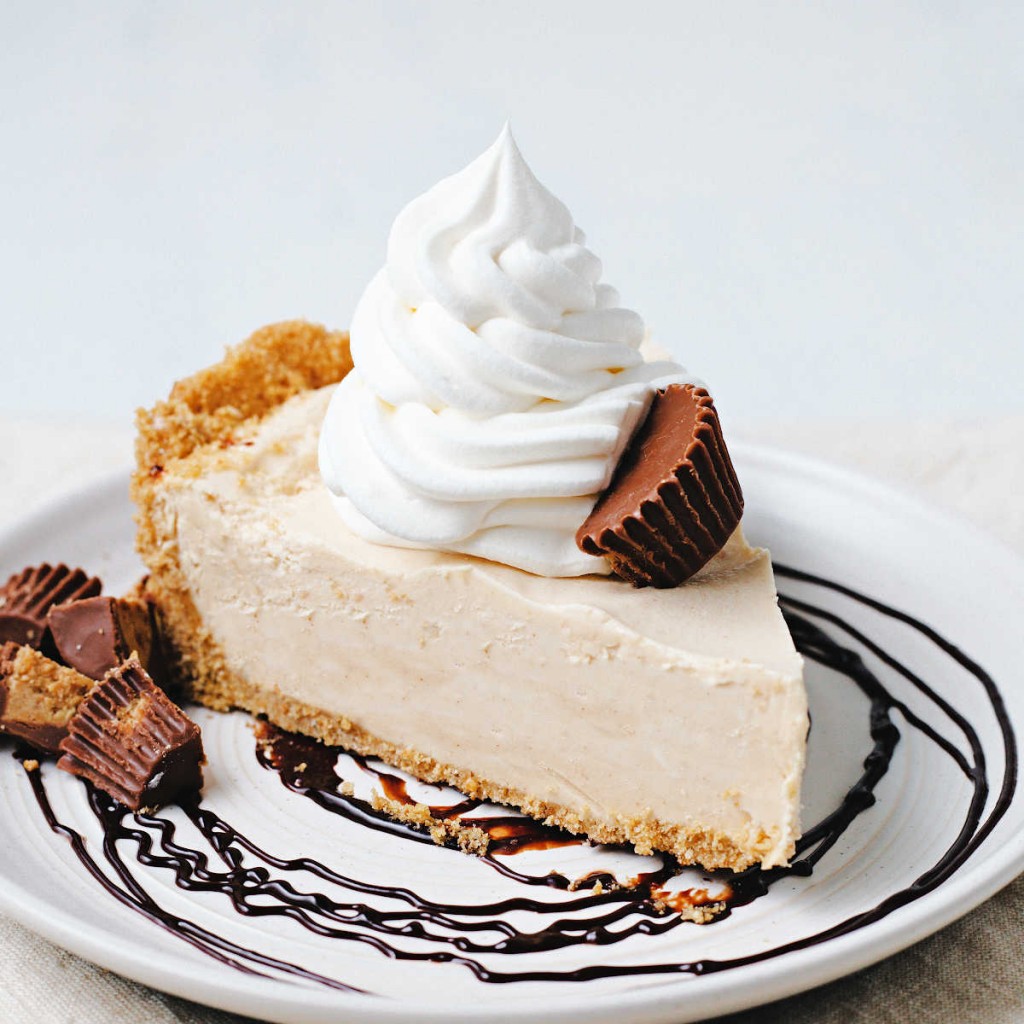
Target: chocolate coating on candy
(674,500)
(96,634)
(38,697)
(27,597)
(132,742)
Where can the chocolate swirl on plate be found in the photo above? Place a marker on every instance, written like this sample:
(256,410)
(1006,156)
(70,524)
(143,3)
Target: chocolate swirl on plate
(592,911)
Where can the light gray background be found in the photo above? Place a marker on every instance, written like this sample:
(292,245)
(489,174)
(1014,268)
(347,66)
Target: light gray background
(812,204)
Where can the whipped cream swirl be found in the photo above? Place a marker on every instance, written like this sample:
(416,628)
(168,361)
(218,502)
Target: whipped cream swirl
(497,380)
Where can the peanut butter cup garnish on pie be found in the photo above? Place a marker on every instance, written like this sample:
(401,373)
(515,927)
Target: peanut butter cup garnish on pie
(674,501)
(373,541)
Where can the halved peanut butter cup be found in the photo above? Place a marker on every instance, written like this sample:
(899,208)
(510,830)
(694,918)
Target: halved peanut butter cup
(96,634)
(38,697)
(27,597)
(132,742)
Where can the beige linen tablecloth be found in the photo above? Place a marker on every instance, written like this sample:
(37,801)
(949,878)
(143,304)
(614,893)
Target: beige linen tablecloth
(973,971)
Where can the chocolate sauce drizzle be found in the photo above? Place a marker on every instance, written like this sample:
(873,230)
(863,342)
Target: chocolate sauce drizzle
(594,910)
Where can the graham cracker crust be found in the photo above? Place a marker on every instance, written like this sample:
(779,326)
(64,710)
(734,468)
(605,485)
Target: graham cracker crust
(214,409)
(467,837)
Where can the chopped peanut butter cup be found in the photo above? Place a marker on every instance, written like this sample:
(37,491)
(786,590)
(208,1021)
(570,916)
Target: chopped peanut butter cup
(96,634)
(131,741)
(38,697)
(674,499)
(27,596)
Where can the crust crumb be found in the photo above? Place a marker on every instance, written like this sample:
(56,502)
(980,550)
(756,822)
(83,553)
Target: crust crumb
(444,831)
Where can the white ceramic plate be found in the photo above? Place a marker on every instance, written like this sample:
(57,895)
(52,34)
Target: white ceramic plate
(814,518)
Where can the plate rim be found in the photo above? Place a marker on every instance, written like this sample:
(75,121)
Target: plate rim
(758,984)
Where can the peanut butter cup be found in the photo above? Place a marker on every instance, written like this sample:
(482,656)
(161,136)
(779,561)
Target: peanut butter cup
(27,597)
(38,697)
(132,742)
(96,634)
(674,499)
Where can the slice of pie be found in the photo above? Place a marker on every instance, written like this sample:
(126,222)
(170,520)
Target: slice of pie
(672,719)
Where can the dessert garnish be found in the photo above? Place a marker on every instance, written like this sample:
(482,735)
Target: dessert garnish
(28,595)
(674,500)
(96,634)
(497,379)
(130,740)
(38,697)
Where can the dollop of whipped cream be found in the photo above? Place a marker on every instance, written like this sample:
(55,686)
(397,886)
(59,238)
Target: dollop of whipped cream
(497,380)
